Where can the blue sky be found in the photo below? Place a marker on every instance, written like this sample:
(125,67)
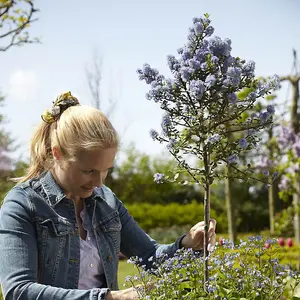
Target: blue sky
(128,34)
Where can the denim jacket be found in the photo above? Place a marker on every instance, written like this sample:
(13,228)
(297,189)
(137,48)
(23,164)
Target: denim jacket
(40,243)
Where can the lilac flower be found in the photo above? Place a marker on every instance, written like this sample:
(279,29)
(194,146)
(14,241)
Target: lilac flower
(155,93)
(173,63)
(214,59)
(147,73)
(154,134)
(270,109)
(185,55)
(286,136)
(228,62)
(251,131)
(211,288)
(209,31)
(284,183)
(232,159)
(233,77)
(214,138)
(264,116)
(158,177)
(165,122)
(198,27)
(204,66)
(248,68)
(197,20)
(218,47)
(171,144)
(243,143)
(266,173)
(194,64)
(275,80)
(197,88)
(210,81)
(186,73)
(232,98)
(275,175)
(296,147)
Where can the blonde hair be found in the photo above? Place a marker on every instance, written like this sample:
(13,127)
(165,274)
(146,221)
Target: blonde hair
(78,128)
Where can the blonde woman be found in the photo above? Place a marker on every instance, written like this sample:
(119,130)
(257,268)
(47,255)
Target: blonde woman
(61,228)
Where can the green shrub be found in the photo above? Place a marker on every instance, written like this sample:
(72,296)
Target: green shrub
(151,216)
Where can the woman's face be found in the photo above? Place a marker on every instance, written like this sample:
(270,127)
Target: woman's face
(79,178)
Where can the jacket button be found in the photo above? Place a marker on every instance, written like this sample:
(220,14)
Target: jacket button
(109,258)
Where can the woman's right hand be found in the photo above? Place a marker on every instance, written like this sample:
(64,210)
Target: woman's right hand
(127,294)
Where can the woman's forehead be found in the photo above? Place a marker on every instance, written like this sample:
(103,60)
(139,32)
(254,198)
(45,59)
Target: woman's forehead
(97,159)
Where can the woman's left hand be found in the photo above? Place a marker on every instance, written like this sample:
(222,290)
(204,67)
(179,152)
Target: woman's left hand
(195,237)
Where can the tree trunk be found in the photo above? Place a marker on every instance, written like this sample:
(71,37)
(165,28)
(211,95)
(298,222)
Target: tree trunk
(295,124)
(271,191)
(296,204)
(230,208)
(271,196)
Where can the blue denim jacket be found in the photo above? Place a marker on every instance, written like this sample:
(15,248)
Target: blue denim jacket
(40,243)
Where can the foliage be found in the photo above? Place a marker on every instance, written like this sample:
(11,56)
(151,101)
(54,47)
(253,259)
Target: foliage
(284,222)
(245,271)
(5,179)
(16,16)
(151,216)
(132,180)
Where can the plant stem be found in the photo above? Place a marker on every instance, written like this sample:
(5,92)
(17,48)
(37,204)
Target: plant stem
(206,214)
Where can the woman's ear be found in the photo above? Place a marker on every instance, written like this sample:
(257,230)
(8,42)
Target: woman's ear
(56,153)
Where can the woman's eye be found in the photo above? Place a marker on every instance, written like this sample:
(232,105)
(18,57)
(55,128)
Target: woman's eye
(88,171)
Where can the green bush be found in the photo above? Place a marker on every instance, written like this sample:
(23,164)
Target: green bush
(150,216)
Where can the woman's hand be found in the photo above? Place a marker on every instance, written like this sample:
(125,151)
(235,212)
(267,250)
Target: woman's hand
(127,294)
(195,237)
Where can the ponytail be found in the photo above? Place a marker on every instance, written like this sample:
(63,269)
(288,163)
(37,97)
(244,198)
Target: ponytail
(40,152)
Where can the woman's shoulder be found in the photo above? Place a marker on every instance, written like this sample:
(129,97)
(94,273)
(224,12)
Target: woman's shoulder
(107,196)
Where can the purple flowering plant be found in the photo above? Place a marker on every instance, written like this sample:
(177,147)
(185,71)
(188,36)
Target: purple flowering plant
(203,111)
(247,270)
(289,143)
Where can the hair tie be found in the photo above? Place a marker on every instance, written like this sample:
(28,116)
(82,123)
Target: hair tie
(62,102)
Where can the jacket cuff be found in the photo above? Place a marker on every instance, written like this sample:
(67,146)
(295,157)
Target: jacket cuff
(99,294)
(178,242)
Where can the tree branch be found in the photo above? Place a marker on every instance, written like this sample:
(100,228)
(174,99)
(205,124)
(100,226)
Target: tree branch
(17,24)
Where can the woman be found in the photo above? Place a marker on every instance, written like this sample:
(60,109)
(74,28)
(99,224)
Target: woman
(61,228)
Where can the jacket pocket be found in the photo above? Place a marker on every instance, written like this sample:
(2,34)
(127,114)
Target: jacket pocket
(54,236)
(111,227)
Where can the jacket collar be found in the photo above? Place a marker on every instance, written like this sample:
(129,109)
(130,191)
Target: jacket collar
(53,191)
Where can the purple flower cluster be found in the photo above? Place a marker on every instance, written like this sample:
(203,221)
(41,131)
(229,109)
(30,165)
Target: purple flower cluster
(234,271)
(159,177)
(201,100)
(288,139)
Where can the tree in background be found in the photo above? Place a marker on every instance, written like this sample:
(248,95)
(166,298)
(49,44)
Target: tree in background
(15,19)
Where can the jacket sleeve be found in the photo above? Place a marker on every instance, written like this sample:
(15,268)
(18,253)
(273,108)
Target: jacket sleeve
(19,257)
(136,243)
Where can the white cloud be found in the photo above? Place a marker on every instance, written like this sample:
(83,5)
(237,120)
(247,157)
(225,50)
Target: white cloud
(23,85)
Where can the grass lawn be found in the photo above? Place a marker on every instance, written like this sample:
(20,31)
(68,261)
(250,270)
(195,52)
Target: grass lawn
(125,269)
